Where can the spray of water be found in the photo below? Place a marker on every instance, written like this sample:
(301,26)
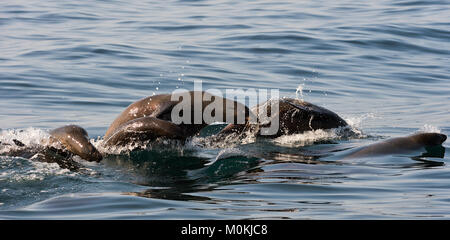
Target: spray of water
(299,91)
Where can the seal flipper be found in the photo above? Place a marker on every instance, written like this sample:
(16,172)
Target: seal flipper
(61,157)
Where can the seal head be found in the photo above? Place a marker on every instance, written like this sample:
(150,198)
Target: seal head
(294,116)
(75,139)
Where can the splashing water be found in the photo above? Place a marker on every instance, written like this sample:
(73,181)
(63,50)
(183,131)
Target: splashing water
(429,129)
(31,137)
(310,137)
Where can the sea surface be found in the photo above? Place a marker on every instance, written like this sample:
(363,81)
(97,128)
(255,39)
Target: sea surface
(382,65)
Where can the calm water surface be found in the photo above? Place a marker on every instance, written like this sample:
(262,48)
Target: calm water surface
(382,65)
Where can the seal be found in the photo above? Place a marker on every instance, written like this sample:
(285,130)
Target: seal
(143,129)
(152,117)
(154,106)
(70,140)
(294,115)
(401,145)
(76,140)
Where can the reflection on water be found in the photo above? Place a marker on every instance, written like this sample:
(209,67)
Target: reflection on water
(178,176)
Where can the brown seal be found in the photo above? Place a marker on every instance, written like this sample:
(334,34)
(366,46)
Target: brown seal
(399,145)
(151,117)
(143,129)
(73,140)
(295,116)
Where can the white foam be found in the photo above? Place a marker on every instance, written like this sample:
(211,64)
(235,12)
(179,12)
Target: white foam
(228,141)
(159,143)
(429,129)
(309,137)
(29,136)
(49,169)
(227,153)
(20,169)
(306,138)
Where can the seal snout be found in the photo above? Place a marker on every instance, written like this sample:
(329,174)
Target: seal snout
(95,155)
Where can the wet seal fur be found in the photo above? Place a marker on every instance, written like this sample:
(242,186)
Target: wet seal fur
(295,116)
(150,118)
(74,141)
(401,145)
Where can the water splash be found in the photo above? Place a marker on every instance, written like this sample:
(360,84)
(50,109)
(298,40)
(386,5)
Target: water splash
(356,122)
(28,136)
(427,128)
(31,137)
(310,137)
(229,141)
(227,153)
(157,144)
(299,91)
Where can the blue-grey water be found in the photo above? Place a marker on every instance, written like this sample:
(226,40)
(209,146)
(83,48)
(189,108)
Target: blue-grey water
(382,65)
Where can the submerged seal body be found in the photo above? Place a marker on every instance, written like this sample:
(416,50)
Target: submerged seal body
(76,140)
(294,116)
(152,117)
(400,145)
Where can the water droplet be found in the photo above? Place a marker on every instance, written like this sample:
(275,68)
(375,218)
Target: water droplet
(298,91)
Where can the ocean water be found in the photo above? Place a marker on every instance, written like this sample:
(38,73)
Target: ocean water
(382,65)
